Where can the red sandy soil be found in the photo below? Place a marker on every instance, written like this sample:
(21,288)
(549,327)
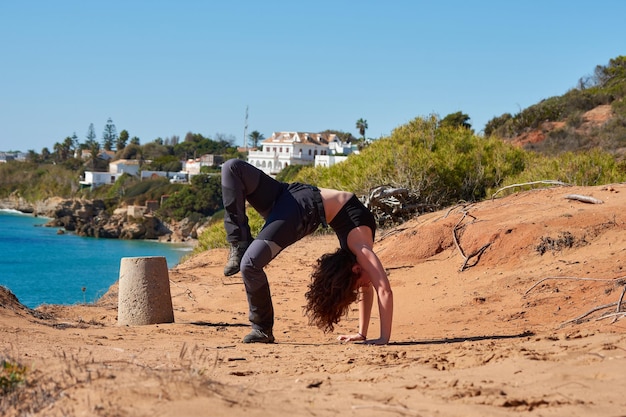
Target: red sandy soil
(488,336)
(591,119)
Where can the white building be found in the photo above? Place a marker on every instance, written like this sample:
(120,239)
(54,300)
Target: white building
(124,166)
(294,148)
(96,179)
(193,166)
(116,170)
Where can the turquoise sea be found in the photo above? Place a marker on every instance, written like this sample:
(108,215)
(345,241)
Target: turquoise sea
(42,267)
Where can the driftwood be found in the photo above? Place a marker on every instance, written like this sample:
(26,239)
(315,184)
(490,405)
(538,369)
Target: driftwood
(621,281)
(549,182)
(395,205)
(584,198)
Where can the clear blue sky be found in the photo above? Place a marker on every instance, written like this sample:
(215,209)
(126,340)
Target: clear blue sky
(165,68)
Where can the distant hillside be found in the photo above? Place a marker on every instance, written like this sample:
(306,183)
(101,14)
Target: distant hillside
(592,115)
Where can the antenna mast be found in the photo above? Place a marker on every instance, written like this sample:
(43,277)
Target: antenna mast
(245,131)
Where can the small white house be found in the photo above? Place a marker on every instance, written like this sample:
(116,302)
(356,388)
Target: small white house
(96,179)
(124,166)
(329,160)
(173,177)
(192,166)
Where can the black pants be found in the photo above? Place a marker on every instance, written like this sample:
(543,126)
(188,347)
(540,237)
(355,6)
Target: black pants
(291,211)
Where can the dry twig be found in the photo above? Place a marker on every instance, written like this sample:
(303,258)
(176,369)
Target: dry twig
(621,281)
(550,182)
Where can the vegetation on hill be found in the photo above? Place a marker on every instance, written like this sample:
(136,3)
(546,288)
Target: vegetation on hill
(607,86)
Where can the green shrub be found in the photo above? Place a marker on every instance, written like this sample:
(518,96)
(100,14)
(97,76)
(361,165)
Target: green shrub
(12,375)
(203,196)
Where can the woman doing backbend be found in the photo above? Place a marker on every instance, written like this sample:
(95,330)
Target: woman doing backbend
(291,212)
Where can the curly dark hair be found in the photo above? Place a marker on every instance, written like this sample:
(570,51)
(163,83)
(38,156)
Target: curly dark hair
(331,290)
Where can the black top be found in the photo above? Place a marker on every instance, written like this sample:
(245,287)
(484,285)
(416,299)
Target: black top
(352,215)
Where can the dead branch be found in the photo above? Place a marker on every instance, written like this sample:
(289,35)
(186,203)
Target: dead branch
(549,182)
(621,298)
(615,316)
(476,254)
(456,239)
(461,205)
(573,279)
(620,281)
(619,312)
(584,198)
(582,316)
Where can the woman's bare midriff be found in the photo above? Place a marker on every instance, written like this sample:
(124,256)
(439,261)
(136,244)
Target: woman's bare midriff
(333,201)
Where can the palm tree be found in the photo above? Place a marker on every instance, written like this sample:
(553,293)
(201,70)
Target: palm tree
(254,138)
(361,125)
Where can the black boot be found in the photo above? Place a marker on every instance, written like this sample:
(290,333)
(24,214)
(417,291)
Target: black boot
(259,336)
(237,250)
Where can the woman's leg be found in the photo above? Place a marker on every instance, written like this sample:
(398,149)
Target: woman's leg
(281,230)
(240,182)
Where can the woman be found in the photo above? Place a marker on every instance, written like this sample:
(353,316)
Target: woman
(291,212)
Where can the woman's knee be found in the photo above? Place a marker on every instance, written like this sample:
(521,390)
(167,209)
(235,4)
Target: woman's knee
(231,167)
(256,257)
(232,163)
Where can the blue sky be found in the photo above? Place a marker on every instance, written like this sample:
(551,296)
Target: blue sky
(165,68)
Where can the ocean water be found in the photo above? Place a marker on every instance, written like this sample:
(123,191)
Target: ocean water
(42,267)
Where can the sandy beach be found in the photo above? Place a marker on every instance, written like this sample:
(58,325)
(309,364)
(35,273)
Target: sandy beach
(494,316)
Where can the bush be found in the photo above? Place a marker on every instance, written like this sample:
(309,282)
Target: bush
(441,164)
(203,196)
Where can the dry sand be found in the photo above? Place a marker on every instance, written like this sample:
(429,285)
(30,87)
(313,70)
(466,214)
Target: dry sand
(484,341)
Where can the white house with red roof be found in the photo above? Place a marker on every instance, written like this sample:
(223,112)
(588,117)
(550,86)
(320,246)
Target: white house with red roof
(294,148)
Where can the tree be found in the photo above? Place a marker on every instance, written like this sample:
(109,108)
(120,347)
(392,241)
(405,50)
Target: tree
(153,150)
(122,140)
(75,142)
(225,138)
(45,154)
(361,126)
(457,119)
(32,156)
(254,138)
(345,137)
(91,136)
(63,151)
(94,150)
(109,135)
(132,151)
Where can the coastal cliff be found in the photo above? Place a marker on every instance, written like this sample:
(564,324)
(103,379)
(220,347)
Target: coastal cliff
(93,218)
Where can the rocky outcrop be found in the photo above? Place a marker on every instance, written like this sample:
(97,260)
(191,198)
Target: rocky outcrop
(92,218)
(44,208)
